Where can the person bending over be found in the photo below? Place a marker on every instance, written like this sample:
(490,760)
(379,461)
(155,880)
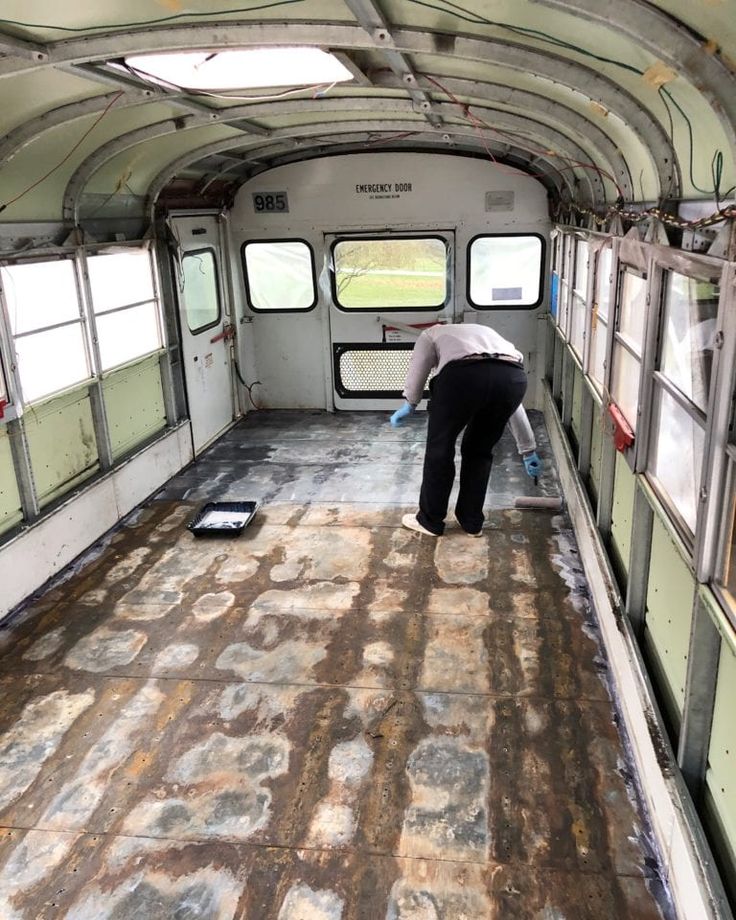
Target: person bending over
(478,386)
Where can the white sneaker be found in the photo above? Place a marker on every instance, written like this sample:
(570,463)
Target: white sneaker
(478,533)
(410,521)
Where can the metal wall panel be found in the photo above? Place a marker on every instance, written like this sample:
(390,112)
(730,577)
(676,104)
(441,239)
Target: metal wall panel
(10,510)
(134,403)
(622,516)
(668,619)
(721,776)
(596,453)
(61,442)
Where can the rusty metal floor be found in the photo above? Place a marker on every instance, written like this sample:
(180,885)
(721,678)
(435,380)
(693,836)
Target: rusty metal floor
(327,718)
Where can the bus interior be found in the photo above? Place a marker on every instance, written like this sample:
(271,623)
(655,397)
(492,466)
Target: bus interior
(223,226)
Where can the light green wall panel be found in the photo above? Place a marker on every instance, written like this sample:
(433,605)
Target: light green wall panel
(10,510)
(134,404)
(668,618)
(596,453)
(577,403)
(622,513)
(721,776)
(62,445)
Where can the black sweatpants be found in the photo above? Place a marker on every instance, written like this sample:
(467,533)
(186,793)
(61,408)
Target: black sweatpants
(479,396)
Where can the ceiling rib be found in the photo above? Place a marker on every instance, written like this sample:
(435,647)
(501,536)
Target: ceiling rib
(542,133)
(670,41)
(369,15)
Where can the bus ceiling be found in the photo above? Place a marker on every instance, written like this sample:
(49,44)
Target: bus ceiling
(111,113)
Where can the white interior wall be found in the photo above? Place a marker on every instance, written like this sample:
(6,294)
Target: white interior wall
(290,353)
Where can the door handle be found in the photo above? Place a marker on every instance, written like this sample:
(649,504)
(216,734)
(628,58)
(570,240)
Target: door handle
(228,332)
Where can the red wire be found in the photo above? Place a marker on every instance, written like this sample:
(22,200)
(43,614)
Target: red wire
(478,123)
(61,162)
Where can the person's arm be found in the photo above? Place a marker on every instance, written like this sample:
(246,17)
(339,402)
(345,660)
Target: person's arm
(522,431)
(526,443)
(423,359)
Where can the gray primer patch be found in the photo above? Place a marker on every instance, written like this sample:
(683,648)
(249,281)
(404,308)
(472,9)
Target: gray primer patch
(176,656)
(45,646)
(207,894)
(304,903)
(35,737)
(289,661)
(105,648)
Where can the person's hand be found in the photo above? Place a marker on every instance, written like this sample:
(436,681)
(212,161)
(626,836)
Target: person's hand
(533,464)
(398,417)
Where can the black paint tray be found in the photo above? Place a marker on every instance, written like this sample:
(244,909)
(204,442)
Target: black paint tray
(222,519)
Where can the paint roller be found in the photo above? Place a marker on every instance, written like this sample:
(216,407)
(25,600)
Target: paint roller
(540,503)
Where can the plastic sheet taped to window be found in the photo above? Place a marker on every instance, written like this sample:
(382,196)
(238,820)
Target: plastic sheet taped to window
(279,275)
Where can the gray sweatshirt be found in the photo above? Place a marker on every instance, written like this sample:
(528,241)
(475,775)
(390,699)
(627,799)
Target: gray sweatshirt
(439,345)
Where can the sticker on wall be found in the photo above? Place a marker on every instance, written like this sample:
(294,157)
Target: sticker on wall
(209,360)
(500,201)
(377,190)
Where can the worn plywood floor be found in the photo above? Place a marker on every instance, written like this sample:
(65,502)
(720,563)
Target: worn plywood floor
(327,718)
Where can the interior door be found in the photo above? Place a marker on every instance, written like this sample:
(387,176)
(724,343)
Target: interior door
(385,290)
(206,329)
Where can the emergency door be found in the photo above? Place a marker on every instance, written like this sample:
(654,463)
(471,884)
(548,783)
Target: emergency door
(385,290)
(206,329)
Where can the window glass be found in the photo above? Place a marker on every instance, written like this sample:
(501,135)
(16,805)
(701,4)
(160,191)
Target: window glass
(677,435)
(505,271)
(603,282)
(127,334)
(52,360)
(598,334)
(633,308)
(728,578)
(577,326)
(125,306)
(40,294)
(689,330)
(201,292)
(391,273)
(581,267)
(3,385)
(279,275)
(554,294)
(120,278)
(625,383)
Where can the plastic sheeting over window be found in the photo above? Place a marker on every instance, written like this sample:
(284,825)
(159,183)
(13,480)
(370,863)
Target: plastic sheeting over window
(125,307)
(505,271)
(46,324)
(279,276)
(201,291)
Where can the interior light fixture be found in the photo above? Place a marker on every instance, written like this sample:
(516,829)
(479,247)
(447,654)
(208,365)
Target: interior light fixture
(242,68)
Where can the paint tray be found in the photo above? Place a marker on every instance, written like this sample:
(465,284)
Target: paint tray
(222,519)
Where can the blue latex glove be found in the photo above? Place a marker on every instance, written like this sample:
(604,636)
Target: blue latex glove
(533,464)
(400,414)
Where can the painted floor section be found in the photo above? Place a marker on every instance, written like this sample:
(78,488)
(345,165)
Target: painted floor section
(328,717)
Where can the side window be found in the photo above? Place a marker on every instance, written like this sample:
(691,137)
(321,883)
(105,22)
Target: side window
(279,276)
(578,305)
(505,271)
(390,274)
(681,389)
(628,342)
(125,306)
(566,251)
(46,325)
(201,290)
(599,317)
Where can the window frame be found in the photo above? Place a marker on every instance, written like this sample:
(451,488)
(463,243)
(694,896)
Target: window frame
(218,290)
(367,237)
(619,339)
(82,320)
(279,311)
(542,263)
(603,325)
(84,254)
(579,298)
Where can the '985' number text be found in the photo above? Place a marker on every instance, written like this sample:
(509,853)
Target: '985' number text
(270,201)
